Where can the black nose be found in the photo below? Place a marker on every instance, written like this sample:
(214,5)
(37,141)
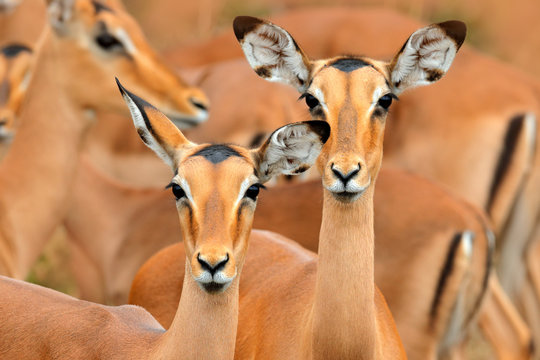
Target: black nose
(3,122)
(345,177)
(198,105)
(212,269)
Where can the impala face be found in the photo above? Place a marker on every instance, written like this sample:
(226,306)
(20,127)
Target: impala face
(103,39)
(353,94)
(216,186)
(15,73)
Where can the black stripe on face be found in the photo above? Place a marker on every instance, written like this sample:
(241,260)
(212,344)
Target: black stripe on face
(99,7)
(445,274)
(505,158)
(12,50)
(217,153)
(349,64)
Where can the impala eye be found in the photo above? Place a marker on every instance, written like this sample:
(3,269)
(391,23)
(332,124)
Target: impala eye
(385,101)
(108,42)
(253,191)
(311,101)
(177,191)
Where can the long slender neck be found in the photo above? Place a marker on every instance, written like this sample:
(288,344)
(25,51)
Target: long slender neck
(204,326)
(344,309)
(37,172)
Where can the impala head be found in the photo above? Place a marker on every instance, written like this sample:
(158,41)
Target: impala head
(98,40)
(353,94)
(15,72)
(216,186)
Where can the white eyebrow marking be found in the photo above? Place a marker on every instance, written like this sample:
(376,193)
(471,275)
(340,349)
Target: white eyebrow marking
(124,38)
(245,185)
(185,186)
(376,96)
(320,96)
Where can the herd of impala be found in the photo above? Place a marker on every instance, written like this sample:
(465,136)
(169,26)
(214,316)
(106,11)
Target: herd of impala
(415,257)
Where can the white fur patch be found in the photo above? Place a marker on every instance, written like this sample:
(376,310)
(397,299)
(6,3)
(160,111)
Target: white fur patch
(428,50)
(290,148)
(187,190)
(467,238)
(243,188)
(124,38)
(530,132)
(272,48)
(376,96)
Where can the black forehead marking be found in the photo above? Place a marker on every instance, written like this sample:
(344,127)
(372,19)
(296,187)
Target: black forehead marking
(98,7)
(349,64)
(13,50)
(217,153)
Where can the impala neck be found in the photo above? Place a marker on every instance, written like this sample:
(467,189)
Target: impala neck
(37,172)
(204,326)
(344,309)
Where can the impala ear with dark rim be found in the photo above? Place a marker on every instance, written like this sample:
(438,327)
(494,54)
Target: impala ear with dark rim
(272,52)
(291,149)
(427,55)
(154,128)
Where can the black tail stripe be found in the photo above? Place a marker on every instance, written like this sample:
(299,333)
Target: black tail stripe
(510,141)
(445,274)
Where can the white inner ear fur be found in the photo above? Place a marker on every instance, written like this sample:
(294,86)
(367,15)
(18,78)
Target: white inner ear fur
(140,125)
(60,11)
(428,51)
(291,148)
(272,48)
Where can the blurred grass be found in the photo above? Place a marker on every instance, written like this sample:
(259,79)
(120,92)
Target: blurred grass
(52,268)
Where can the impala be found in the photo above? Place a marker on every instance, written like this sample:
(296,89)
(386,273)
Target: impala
(216,188)
(104,41)
(499,166)
(15,72)
(337,310)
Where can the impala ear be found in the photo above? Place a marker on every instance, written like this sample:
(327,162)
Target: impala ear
(155,129)
(427,55)
(60,13)
(272,52)
(291,149)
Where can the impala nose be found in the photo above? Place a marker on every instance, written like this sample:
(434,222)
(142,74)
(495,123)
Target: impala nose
(198,104)
(213,267)
(345,177)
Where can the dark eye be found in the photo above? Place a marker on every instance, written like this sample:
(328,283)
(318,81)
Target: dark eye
(385,101)
(108,42)
(253,191)
(177,191)
(311,101)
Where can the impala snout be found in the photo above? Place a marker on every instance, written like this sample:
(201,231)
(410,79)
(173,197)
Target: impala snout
(346,178)
(214,269)
(6,119)
(192,110)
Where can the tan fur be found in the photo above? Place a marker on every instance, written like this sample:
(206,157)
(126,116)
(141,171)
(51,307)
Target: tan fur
(54,121)
(399,244)
(38,323)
